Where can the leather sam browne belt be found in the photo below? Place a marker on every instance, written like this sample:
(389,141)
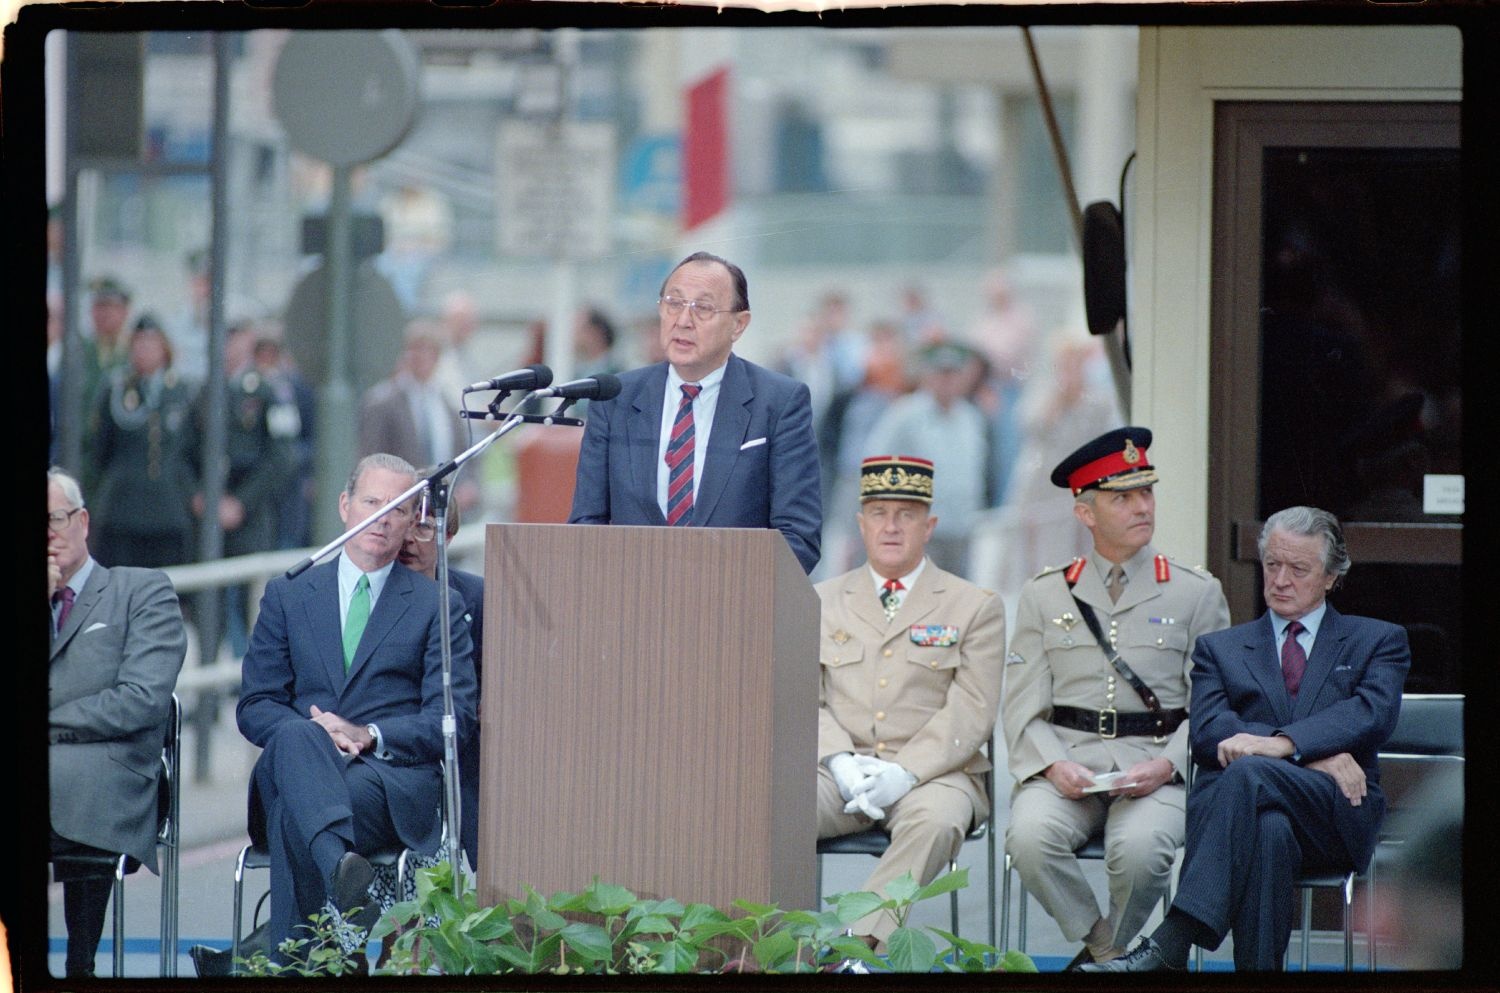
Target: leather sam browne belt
(1109,723)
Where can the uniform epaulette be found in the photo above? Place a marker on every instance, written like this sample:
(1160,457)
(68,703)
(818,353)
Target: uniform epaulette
(1198,570)
(1054,568)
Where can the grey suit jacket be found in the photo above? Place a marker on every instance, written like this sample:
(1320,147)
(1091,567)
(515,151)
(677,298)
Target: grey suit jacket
(110,677)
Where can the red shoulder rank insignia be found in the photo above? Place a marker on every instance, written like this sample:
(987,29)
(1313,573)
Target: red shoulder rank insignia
(1074,571)
(1163,569)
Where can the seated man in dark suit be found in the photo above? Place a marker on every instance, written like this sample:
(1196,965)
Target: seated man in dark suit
(1287,715)
(419,554)
(343,689)
(704,439)
(117,646)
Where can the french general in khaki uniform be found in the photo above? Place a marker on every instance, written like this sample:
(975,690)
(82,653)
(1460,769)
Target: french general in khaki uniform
(1073,715)
(911,668)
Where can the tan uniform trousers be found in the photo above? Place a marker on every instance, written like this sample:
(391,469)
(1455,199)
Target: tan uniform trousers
(1141,838)
(927,828)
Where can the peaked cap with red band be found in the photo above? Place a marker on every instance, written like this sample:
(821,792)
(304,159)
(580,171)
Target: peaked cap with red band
(1113,461)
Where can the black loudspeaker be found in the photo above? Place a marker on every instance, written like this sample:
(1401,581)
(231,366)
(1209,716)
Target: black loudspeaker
(1103,266)
(110,101)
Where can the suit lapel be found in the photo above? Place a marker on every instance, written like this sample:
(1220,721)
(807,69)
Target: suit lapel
(862,601)
(321,609)
(1265,667)
(83,608)
(643,435)
(731,419)
(1328,648)
(924,596)
(393,603)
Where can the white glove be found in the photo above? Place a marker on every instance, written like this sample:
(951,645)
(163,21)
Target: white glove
(861,804)
(884,784)
(846,773)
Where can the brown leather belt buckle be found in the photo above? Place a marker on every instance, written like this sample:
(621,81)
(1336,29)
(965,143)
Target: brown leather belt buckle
(1107,723)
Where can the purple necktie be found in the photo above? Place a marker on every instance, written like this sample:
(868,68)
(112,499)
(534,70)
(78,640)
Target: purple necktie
(1293,659)
(680,459)
(63,596)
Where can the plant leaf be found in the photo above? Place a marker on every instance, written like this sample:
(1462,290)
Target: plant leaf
(910,950)
(774,949)
(697,914)
(589,942)
(849,947)
(1016,961)
(850,907)
(673,956)
(902,889)
(608,899)
(946,883)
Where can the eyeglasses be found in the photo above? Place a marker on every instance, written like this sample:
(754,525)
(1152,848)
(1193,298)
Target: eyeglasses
(424,530)
(701,310)
(58,520)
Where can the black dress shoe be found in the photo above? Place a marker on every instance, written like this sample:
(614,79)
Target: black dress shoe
(351,882)
(1147,957)
(351,891)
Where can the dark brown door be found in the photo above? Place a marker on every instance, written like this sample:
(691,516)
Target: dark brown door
(1335,335)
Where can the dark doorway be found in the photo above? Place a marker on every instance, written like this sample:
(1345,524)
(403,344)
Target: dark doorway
(1336,339)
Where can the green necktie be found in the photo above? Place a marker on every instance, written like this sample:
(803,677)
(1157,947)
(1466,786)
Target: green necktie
(359,615)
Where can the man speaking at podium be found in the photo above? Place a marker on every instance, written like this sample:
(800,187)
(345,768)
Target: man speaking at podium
(704,439)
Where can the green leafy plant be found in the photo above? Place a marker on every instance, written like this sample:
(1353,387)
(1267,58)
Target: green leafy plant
(607,929)
(320,954)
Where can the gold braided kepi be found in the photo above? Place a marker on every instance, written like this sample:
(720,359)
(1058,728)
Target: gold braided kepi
(895,477)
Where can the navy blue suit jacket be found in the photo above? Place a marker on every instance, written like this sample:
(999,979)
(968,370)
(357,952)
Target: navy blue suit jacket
(296,661)
(760,471)
(1348,702)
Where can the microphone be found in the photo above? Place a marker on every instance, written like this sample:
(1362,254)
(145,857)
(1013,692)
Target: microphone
(600,387)
(533,377)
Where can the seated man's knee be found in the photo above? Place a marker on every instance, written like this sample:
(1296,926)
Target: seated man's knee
(296,737)
(1147,857)
(1031,837)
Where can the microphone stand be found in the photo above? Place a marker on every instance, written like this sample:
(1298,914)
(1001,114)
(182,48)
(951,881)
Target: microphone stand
(439,490)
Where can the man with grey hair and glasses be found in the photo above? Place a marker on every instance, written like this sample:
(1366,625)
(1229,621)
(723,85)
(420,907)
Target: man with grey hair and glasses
(704,439)
(117,646)
(1288,712)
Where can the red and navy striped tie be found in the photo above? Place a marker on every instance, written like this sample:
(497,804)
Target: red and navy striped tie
(680,460)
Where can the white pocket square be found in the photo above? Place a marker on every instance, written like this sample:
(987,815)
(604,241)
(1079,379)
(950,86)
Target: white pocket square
(95,626)
(752,444)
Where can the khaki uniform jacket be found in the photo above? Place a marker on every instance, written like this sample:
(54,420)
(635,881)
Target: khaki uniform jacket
(1054,660)
(928,707)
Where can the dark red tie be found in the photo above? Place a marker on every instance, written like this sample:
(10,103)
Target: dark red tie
(63,596)
(1293,659)
(680,459)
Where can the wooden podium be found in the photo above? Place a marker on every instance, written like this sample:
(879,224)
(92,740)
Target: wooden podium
(649,714)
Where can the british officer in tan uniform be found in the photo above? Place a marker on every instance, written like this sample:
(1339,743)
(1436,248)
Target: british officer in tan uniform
(1072,714)
(911,668)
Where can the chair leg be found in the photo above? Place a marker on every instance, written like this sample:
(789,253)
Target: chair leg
(1005,907)
(990,845)
(818,882)
(1372,932)
(238,911)
(1306,925)
(118,916)
(1349,923)
(953,898)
